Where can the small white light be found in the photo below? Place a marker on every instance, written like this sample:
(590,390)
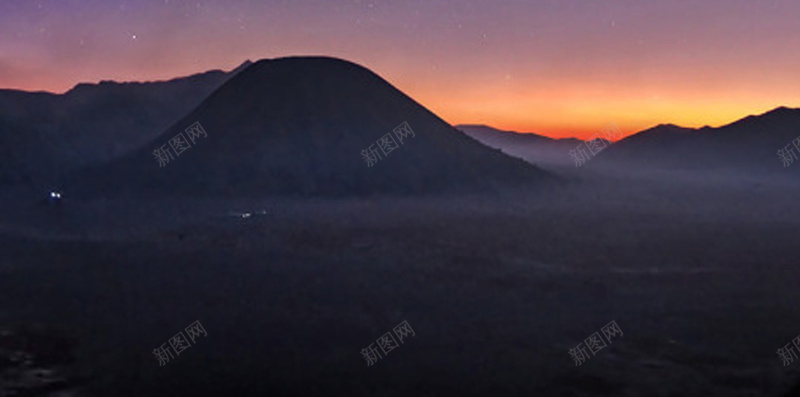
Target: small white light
(55,195)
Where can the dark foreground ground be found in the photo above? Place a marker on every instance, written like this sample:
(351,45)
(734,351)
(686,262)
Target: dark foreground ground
(702,278)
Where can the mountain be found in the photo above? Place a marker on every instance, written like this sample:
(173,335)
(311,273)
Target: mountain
(43,135)
(533,148)
(298,126)
(749,144)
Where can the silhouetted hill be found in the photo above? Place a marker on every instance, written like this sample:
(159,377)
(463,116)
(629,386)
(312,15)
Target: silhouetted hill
(533,148)
(490,134)
(297,126)
(43,135)
(749,144)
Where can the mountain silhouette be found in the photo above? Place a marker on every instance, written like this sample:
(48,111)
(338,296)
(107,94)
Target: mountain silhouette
(298,126)
(749,144)
(43,135)
(533,148)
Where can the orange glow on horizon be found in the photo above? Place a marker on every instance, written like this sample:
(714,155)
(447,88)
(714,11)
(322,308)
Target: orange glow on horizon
(560,69)
(561,108)
(565,110)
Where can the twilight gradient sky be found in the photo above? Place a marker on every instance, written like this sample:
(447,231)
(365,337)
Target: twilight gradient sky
(555,67)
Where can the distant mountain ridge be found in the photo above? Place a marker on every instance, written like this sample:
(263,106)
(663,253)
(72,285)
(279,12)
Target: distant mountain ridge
(533,148)
(491,132)
(748,144)
(44,135)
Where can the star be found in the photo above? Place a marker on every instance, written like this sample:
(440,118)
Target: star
(133,37)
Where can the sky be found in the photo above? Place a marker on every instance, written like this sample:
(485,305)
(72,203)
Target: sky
(562,68)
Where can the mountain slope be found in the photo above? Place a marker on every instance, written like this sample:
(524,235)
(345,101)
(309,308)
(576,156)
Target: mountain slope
(43,134)
(297,126)
(749,144)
